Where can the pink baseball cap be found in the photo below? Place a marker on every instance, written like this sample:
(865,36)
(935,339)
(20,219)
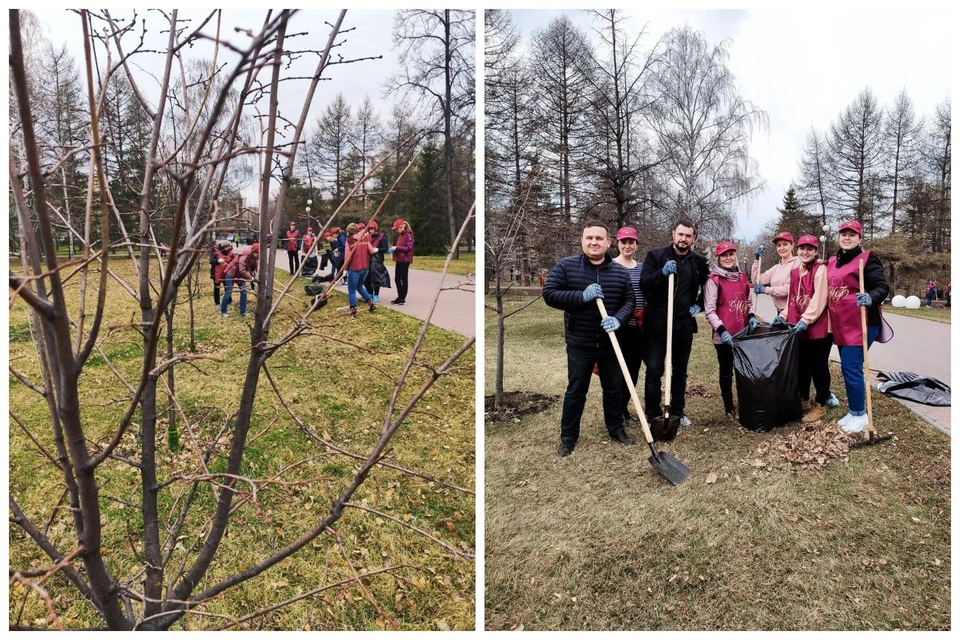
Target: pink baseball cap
(783,235)
(723,247)
(626,232)
(853,225)
(808,239)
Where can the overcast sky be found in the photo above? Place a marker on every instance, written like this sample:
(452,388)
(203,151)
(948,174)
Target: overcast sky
(372,37)
(803,66)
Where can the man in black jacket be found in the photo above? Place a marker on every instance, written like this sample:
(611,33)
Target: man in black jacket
(574,285)
(690,269)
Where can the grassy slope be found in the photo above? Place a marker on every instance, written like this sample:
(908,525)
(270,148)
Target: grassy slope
(465,265)
(939,314)
(599,541)
(336,391)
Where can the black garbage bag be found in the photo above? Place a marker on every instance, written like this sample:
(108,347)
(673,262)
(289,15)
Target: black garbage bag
(309,267)
(379,276)
(907,385)
(765,362)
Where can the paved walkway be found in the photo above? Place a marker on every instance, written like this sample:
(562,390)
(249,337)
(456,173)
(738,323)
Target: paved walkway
(921,346)
(456,310)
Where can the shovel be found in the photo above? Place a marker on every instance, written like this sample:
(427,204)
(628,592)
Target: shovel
(664,463)
(665,427)
(871,433)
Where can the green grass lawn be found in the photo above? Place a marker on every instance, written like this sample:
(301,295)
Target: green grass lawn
(339,391)
(599,540)
(939,314)
(466,264)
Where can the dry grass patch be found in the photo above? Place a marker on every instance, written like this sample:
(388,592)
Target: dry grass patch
(938,314)
(599,540)
(337,391)
(465,265)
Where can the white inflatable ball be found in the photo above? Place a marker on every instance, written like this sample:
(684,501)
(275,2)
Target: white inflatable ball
(913,302)
(899,301)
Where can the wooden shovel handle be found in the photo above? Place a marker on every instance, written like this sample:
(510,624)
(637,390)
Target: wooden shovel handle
(866,359)
(668,377)
(626,376)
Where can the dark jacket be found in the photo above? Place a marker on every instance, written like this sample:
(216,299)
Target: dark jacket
(874,281)
(581,320)
(691,277)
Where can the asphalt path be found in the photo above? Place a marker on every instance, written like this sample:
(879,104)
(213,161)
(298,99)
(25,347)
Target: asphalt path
(455,310)
(919,345)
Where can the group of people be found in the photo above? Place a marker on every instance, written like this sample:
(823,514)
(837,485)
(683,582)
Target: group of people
(361,246)
(819,301)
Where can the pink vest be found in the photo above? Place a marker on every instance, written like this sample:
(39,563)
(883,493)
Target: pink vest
(844,283)
(801,291)
(732,302)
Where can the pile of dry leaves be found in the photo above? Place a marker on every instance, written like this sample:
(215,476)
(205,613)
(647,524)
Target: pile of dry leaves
(812,446)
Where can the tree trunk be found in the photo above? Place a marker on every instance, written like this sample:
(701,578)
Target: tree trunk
(447,137)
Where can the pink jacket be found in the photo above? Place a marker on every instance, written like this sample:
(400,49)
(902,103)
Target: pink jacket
(777,280)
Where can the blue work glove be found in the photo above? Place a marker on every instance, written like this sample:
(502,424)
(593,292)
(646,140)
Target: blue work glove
(758,252)
(390,250)
(670,267)
(864,300)
(592,292)
(753,323)
(726,338)
(800,326)
(694,310)
(778,320)
(610,324)
(758,288)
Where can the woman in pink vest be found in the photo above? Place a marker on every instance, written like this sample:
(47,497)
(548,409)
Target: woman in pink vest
(729,308)
(806,310)
(775,281)
(844,302)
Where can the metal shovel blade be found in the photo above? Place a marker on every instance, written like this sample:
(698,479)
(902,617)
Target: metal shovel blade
(664,429)
(872,439)
(669,467)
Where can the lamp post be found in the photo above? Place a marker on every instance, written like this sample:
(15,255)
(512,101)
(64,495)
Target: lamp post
(309,202)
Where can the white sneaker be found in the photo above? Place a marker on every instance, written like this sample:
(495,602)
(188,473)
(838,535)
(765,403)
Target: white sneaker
(684,421)
(856,424)
(845,419)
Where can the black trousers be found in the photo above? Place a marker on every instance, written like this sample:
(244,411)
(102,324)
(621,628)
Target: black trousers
(656,364)
(294,257)
(725,359)
(580,363)
(216,292)
(401,272)
(632,344)
(815,364)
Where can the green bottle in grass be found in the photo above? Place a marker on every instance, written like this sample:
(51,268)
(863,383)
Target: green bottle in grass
(173,439)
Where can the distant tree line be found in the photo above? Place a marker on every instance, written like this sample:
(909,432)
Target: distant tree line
(629,128)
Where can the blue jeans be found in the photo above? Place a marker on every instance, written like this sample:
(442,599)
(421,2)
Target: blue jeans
(355,283)
(226,299)
(851,364)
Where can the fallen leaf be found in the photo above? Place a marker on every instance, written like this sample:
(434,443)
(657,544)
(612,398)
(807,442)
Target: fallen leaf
(443,626)
(711,478)
(917,520)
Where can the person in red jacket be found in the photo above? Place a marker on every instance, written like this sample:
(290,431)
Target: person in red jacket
(293,247)
(222,255)
(242,269)
(403,257)
(308,241)
(729,308)
(358,251)
(807,311)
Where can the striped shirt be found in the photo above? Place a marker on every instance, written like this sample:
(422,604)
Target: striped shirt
(635,281)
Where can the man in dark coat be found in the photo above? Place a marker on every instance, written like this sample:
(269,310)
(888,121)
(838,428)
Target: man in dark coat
(690,269)
(574,285)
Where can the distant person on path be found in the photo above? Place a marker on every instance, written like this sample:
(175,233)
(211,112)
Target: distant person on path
(630,334)
(690,269)
(242,269)
(807,311)
(403,257)
(729,308)
(378,275)
(222,255)
(309,240)
(574,285)
(293,247)
(931,292)
(775,281)
(844,302)
(359,250)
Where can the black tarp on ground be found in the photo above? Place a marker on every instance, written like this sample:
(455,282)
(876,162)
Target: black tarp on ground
(765,362)
(907,385)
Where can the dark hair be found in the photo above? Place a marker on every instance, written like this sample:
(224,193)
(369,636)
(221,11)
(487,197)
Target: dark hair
(595,223)
(684,222)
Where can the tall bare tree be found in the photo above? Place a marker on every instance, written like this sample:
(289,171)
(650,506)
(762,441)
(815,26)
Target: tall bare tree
(902,131)
(814,186)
